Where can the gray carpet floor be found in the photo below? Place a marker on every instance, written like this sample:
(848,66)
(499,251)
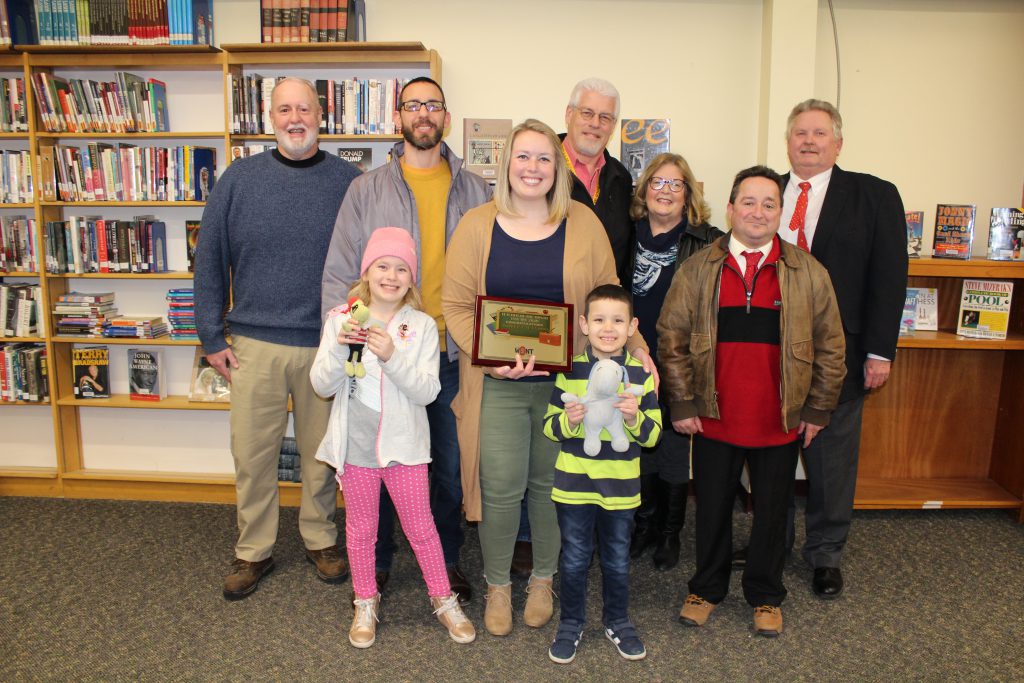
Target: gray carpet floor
(131,591)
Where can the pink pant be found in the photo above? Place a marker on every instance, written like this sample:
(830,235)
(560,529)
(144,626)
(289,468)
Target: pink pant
(407,486)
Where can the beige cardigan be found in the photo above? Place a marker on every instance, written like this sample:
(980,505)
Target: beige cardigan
(588,263)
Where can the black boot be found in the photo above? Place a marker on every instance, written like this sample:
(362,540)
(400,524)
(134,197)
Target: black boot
(666,555)
(645,530)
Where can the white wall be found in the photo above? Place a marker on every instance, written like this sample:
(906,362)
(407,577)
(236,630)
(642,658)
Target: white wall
(932,90)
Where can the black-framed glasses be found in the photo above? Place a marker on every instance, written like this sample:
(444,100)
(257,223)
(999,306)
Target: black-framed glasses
(673,185)
(589,114)
(413,106)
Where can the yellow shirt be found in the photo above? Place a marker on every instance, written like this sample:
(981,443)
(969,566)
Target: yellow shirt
(430,190)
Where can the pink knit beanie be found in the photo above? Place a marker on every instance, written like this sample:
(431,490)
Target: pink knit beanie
(395,242)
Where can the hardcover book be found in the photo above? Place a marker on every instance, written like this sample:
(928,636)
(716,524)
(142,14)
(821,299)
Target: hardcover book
(1006,235)
(360,157)
(985,309)
(191,240)
(915,233)
(642,140)
(954,231)
(207,384)
(927,307)
(482,143)
(146,380)
(91,368)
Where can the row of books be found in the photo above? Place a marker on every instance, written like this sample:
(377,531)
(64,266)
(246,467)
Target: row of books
(91,244)
(312,21)
(953,234)
(289,464)
(181,314)
(82,314)
(21,310)
(128,104)
(16,177)
(355,106)
(106,22)
(984,309)
(13,110)
(18,244)
(147,381)
(123,172)
(23,373)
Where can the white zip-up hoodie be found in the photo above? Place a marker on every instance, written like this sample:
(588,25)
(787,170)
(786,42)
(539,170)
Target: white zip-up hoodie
(408,382)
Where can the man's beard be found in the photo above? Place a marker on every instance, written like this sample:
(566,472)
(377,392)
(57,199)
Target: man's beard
(425,141)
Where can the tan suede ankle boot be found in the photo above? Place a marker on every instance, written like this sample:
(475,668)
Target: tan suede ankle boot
(498,612)
(539,602)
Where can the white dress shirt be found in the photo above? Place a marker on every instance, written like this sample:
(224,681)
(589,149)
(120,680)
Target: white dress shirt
(815,198)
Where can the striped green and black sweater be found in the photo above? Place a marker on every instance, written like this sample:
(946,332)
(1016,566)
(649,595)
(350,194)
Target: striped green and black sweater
(608,479)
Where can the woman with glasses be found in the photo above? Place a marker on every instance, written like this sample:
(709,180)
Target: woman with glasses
(671,225)
(532,241)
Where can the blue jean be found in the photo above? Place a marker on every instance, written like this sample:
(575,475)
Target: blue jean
(445,478)
(614,527)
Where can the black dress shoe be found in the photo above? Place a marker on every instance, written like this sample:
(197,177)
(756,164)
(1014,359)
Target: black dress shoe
(460,585)
(739,559)
(828,582)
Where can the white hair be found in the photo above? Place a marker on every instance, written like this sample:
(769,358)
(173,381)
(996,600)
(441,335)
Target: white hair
(598,85)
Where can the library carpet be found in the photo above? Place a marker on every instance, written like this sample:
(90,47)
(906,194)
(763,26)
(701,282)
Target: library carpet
(131,591)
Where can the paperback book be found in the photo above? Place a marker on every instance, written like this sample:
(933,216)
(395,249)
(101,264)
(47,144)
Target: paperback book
(1006,235)
(927,309)
(360,157)
(191,241)
(915,233)
(146,381)
(642,140)
(985,309)
(954,231)
(91,368)
(909,318)
(207,384)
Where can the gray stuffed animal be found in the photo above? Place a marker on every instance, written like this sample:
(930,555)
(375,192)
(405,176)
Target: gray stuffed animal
(600,399)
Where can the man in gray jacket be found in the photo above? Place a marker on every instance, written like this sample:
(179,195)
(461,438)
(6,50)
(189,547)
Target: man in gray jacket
(425,190)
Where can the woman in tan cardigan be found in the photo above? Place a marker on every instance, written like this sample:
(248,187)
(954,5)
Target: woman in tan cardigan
(530,242)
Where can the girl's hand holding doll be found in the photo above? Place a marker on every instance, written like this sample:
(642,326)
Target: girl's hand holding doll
(380,342)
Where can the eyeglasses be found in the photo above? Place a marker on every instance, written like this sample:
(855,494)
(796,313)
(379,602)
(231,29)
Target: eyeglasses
(673,185)
(589,114)
(413,106)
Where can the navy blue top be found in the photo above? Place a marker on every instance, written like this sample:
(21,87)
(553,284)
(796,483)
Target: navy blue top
(653,268)
(527,270)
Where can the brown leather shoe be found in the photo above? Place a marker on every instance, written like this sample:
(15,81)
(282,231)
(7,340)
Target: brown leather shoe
(245,576)
(382,580)
(539,602)
(696,610)
(768,621)
(522,559)
(460,585)
(498,612)
(331,565)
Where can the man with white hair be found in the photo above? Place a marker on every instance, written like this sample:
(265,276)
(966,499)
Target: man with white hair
(599,180)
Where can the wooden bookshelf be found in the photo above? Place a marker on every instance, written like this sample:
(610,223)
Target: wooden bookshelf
(73,477)
(945,430)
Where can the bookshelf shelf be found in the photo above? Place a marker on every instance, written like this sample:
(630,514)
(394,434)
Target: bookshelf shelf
(124,341)
(945,429)
(131,136)
(6,340)
(19,273)
(199,106)
(123,401)
(25,403)
(171,275)
(150,203)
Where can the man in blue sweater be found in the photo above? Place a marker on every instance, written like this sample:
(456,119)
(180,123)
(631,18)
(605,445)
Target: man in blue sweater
(264,234)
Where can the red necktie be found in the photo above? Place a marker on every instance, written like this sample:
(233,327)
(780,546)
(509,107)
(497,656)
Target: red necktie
(752,257)
(797,222)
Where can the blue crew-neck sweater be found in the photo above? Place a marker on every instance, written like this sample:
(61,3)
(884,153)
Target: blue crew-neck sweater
(264,235)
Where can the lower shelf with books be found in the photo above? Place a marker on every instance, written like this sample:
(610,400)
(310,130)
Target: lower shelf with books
(947,339)
(125,401)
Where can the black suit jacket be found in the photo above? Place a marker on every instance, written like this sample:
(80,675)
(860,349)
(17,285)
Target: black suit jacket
(861,239)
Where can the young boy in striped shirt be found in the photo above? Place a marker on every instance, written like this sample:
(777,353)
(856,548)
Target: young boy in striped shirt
(600,492)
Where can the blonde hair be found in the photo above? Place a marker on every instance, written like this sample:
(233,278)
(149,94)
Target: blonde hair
(361,290)
(559,196)
(696,208)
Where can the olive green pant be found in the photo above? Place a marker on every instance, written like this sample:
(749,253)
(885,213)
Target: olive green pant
(266,375)
(516,459)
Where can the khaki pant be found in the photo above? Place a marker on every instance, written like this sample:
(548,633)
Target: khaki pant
(266,375)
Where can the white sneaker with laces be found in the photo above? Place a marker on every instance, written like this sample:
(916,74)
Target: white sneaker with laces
(363,632)
(449,613)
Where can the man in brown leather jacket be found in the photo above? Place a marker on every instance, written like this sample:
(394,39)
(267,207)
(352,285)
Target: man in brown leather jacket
(752,355)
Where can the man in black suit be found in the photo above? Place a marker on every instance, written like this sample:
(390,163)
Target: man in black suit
(854,223)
